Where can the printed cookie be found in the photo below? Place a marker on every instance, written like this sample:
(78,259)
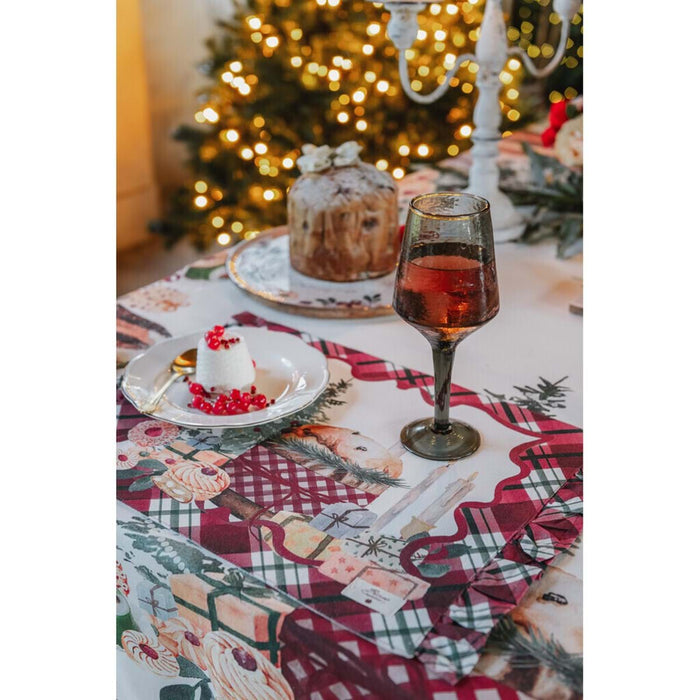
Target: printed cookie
(204,480)
(183,638)
(128,457)
(150,433)
(240,672)
(149,653)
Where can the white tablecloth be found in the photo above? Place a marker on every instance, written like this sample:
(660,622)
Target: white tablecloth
(534,331)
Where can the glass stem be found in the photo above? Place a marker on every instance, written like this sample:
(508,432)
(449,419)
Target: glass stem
(443,358)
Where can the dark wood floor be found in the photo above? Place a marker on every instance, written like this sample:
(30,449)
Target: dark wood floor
(150,262)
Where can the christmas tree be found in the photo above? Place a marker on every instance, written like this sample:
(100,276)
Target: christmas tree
(287,72)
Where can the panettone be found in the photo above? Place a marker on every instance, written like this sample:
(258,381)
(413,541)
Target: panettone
(342,216)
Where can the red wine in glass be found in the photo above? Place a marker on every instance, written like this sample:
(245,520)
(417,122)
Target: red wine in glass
(446,288)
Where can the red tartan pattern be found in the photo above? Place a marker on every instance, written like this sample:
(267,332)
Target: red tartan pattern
(129,417)
(551,451)
(501,593)
(330,662)
(276,483)
(555,453)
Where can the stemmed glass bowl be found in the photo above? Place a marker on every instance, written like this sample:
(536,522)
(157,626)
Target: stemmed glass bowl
(446,288)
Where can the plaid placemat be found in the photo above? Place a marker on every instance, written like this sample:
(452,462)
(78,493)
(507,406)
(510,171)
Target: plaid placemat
(472,564)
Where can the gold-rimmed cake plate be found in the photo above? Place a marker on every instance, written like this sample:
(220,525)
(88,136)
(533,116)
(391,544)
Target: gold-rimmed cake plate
(261,268)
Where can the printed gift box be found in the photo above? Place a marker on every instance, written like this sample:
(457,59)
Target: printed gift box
(340,519)
(382,549)
(250,612)
(300,537)
(156,599)
(345,568)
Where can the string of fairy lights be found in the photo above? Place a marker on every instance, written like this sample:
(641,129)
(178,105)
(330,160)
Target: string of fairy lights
(523,35)
(356,80)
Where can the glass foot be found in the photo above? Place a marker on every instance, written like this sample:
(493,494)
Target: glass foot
(420,438)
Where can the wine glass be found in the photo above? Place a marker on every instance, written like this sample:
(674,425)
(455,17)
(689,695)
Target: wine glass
(446,288)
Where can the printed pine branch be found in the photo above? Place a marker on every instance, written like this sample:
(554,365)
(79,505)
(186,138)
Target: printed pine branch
(142,535)
(534,649)
(546,390)
(548,395)
(324,456)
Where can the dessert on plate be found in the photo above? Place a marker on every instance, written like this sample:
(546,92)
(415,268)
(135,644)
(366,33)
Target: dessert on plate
(342,216)
(223,361)
(225,369)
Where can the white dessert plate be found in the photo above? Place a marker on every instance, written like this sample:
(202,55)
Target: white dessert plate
(287,370)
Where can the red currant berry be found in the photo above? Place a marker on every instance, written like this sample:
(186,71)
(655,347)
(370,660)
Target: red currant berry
(218,330)
(259,401)
(196,388)
(214,343)
(253,389)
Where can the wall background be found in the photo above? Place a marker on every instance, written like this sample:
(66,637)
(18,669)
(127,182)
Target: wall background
(159,44)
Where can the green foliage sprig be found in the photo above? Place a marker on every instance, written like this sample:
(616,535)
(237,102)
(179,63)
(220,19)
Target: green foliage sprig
(556,192)
(533,649)
(325,457)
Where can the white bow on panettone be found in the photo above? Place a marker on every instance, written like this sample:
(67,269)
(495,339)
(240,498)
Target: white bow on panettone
(318,159)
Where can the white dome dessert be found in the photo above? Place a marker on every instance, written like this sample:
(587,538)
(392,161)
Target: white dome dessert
(224,366)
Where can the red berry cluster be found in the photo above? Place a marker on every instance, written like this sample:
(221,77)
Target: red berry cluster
(231,404)
(215,338)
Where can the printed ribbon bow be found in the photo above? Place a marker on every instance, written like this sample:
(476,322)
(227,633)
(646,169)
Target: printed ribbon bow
(317,159)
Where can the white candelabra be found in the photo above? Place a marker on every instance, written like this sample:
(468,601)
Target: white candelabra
(490,55)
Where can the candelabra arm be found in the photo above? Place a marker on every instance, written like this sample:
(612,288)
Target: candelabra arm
(556,59)
(440,90)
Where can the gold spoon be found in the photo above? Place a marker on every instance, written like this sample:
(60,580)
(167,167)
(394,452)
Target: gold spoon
(182,365)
